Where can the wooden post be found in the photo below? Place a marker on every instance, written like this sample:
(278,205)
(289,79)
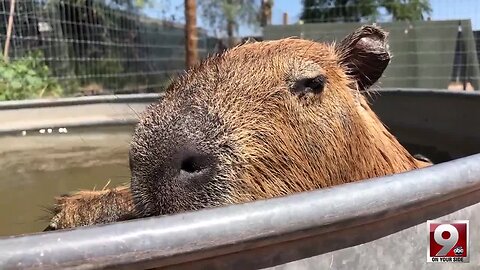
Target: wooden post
(9,31)
(285,18)
(191,40)
(266,13)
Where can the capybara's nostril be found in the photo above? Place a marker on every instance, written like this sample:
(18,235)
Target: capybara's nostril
(193,164)
(196,168)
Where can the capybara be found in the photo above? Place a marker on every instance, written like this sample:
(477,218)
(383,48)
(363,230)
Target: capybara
(260,120)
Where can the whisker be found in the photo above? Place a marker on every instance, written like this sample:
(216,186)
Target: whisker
(109,180)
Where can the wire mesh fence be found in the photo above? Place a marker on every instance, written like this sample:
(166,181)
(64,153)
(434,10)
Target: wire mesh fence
(435,43)
(429,54)
(67,47)
(95,46)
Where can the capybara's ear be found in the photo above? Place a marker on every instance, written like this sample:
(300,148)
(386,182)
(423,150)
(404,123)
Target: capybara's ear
(364,54)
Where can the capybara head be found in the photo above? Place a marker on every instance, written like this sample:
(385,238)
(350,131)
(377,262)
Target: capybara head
(262,120)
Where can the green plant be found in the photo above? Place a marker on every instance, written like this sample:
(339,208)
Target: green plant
(27,77)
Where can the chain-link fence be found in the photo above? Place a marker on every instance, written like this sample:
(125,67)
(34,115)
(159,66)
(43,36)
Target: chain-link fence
(430,54)
(434,42)
(92,46)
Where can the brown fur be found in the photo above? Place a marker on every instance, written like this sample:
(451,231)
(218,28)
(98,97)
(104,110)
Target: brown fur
(91,207)
(269,135)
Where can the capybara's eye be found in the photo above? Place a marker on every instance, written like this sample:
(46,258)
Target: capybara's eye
(313,85)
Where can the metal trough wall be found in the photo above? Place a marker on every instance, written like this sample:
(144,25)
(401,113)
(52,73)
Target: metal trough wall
(317,229)
(17,116)
(374,224)
(446,120)
(423,117)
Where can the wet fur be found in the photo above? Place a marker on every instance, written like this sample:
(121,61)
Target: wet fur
(269,142)
(91,207)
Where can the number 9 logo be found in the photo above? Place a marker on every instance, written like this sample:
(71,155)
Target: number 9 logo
(447,243)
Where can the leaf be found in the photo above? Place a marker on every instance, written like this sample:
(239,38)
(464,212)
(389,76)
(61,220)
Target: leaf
(16,85)
(34,81)
(8,74)
(26,78)
(139,3)
(22,68)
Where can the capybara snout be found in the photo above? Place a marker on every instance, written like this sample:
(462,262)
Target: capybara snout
(175,159)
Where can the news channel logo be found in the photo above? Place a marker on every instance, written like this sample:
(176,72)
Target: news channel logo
(448,241)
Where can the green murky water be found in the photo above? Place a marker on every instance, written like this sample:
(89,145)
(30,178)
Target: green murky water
(37,167)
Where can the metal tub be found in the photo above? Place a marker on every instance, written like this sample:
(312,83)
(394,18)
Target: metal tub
(373,224)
